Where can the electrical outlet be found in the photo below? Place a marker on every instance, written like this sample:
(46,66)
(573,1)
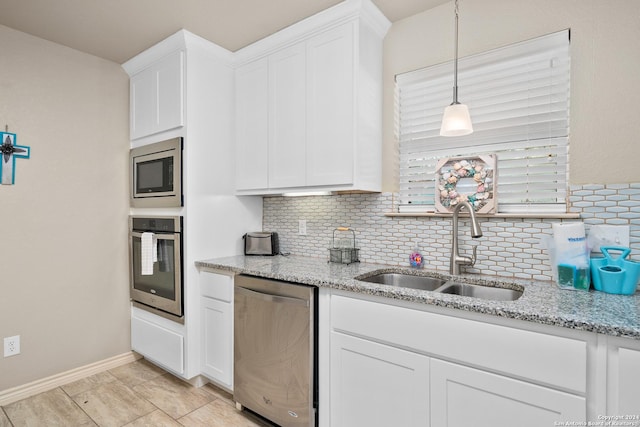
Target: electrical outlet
(608,235)
(302,227)
(11,346)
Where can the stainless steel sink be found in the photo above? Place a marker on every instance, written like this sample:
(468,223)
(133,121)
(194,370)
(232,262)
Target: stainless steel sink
(482,292)
(427,283)
(424,283)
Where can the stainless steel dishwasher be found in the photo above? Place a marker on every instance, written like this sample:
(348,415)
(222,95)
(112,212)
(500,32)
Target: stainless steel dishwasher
(274,352)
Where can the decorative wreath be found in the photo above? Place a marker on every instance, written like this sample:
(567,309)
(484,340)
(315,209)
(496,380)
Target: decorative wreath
(451,170)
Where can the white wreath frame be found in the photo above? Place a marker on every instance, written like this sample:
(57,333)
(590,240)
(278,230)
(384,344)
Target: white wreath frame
(448,174)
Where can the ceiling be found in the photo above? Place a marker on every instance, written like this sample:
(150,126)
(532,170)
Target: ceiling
(117,30)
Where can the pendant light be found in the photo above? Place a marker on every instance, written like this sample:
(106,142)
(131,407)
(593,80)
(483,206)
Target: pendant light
(456,120)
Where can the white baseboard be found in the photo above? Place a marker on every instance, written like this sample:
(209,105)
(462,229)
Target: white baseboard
(45,384)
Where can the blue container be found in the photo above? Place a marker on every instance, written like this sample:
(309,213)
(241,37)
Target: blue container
(622,278)
(596,263)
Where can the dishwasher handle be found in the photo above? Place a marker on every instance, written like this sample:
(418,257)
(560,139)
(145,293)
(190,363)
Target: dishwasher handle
(272,298)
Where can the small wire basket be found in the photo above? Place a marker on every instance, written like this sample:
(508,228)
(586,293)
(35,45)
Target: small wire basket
(343,254)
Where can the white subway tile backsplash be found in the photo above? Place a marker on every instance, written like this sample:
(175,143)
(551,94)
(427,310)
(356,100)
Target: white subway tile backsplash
(617,186)
(593,198)
(582,204)
(594,209)
(603,192)
(508,248)
(618,221)
(592,187)
(605,203)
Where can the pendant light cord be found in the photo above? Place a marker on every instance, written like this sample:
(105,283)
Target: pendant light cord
(455,58)
(456,120)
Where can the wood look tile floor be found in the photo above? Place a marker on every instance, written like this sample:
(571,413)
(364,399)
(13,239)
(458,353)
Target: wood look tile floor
(138,394)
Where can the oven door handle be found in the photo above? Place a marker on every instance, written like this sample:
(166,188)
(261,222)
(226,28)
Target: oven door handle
(159,236)
(272,298)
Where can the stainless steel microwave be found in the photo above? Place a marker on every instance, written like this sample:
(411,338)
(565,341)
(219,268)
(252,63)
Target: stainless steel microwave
(156,174)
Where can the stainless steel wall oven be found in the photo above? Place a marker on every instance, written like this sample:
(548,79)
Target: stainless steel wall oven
(155,252)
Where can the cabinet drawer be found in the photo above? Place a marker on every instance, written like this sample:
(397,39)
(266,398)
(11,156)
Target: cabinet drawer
(218,286)
(158,344)
(543,358)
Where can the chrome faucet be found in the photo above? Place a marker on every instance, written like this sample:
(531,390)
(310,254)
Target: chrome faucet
(456,259)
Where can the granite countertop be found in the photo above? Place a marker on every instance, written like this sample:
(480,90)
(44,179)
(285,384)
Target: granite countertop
(541,302)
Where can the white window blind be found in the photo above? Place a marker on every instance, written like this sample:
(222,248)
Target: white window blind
(518,97)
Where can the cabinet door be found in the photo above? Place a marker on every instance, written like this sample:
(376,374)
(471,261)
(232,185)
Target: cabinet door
(623,377)
(143,103)
(331,65)
(377,385)
(158,343)
(157,96)
(217,341)
(462,397)
(252,125)
(287,117)
(170,84)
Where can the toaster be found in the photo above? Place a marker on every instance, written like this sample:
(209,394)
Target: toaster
(261,243)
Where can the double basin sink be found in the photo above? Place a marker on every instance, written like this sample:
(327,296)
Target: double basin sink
(435,284)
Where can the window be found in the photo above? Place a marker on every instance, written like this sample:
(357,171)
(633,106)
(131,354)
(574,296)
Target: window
(518,97)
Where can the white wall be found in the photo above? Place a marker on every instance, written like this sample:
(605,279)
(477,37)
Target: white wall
(63,239)
(605,60)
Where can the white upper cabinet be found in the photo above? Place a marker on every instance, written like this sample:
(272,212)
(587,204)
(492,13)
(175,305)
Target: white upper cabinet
(252,125)
(323,81)
(287,118)
(331,89)
(157,96)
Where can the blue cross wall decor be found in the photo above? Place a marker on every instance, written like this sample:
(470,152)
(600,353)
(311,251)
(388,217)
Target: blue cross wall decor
(9,152)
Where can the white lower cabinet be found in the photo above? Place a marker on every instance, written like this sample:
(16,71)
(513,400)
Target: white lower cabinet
(623,378)
(158,339)
(463,396)
(391,364)
(216,308)
(217,342)
(374,384)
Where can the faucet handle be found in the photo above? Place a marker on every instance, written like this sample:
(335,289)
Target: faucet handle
(473,258)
